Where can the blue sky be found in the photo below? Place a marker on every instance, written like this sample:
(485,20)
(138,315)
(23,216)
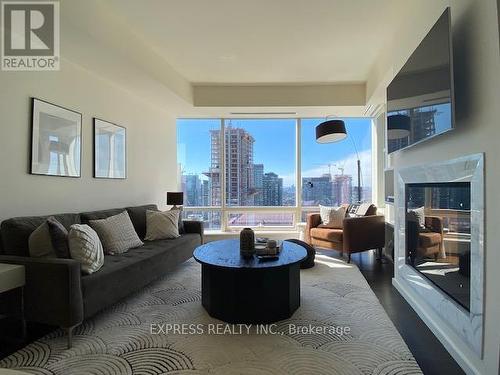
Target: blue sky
(275,146)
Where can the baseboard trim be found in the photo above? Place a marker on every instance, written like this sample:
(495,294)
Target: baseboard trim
(435,326)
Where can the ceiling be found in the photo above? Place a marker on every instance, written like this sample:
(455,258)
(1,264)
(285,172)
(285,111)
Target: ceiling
(264,41)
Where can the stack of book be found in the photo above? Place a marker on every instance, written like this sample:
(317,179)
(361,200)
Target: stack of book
(266,248)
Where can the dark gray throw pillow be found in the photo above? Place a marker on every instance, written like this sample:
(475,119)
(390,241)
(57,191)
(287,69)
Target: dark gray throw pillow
(59,238)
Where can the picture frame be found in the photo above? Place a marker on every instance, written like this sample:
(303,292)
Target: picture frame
(56,140)
(110,150)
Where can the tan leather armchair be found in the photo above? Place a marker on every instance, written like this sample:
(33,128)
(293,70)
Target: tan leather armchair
(358,233)
(425,242)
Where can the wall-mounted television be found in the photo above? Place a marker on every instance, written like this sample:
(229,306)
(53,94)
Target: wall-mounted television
(420,101)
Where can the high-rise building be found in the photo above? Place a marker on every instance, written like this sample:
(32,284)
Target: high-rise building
(342,189)
(258,179)
(239,176)
(317,190)
(192,190)
(205,192)
(272,186)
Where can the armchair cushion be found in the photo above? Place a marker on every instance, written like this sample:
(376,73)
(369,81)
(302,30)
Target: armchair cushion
(327,234)
(428,239)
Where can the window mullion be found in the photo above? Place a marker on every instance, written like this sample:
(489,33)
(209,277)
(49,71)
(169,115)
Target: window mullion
(298,171)
(222,164)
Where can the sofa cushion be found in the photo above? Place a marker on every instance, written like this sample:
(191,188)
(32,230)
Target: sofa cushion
(116,233)
(16,231)
(98,215)
(327,234)
(125,273)
(138,216)
(428,239)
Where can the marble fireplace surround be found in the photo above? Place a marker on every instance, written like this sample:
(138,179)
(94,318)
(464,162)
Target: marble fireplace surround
(425,297)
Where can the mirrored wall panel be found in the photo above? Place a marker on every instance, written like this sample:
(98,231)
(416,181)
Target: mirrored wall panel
(438,235)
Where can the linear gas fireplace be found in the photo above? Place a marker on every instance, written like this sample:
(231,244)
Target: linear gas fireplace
(439,246)
(438,235)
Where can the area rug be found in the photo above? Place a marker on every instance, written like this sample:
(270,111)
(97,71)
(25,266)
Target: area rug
(340,328)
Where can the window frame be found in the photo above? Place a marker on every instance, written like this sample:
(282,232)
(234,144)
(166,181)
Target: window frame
(297,210)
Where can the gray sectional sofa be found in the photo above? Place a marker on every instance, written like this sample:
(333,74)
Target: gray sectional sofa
(57,293)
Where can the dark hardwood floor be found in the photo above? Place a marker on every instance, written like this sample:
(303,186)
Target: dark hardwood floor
(431,356)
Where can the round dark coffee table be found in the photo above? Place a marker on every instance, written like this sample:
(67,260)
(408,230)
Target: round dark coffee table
(249,291)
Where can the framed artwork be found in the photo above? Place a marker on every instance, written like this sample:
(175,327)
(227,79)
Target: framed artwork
(110,150)
(56,140)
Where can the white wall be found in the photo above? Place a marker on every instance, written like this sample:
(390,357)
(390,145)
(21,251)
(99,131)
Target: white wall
(477,84)
(151,144)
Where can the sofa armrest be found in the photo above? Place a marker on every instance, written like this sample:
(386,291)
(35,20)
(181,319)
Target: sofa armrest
(52,293)
(363,233)
(313,220)
(434,223)
(194,226)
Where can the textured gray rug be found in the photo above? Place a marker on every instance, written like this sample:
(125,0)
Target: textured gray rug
(358,337)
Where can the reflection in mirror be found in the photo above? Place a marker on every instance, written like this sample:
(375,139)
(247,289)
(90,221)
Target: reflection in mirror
(420,98)
(438,235)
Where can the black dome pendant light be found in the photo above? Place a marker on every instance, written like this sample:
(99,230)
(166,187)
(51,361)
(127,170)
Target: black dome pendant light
(398,126)
(330,131)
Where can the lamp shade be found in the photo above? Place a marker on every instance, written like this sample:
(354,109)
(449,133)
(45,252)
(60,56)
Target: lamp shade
(398,126)
(175,198)
(330,131)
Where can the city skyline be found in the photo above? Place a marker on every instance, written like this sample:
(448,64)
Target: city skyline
(248,183)
(279,134)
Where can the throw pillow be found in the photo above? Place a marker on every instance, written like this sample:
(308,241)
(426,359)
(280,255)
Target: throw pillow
(86,248)
(181,222)
(40,243)
(59,237)
(162,225)
(332,217)
(417,215)
(363,208)
(116,233)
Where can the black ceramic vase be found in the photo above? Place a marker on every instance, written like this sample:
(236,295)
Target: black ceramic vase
(247,243)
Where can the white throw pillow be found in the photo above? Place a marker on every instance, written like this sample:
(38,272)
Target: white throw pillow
(418,215)
(332,217)
(86,248)
(162,225)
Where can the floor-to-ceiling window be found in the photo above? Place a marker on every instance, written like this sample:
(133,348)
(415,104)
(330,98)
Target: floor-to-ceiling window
(329,171)
(269,172)
(200,166)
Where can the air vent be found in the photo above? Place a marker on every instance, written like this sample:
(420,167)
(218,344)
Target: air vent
(263,113)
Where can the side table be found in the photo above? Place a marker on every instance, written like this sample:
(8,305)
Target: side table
(12,277)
